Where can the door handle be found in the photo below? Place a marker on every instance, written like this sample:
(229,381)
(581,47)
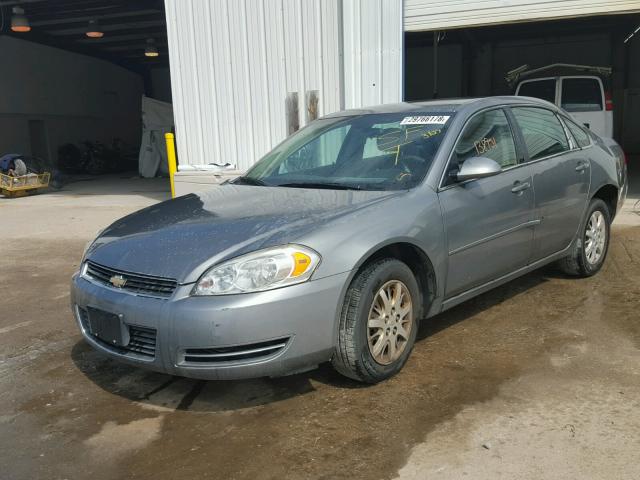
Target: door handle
(582,166)
(519,187)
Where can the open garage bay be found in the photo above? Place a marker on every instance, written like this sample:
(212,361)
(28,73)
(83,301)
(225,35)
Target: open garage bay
(537,379)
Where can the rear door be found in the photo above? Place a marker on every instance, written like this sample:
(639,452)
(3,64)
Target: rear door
(487,220)
(583,97)
(561,177)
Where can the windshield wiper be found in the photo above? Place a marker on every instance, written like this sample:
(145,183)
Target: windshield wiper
(251,181)
(329,186)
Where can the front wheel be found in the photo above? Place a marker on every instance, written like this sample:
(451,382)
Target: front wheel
(591,246)
(378,323)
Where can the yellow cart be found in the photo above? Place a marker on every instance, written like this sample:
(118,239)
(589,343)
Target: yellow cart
(24,185)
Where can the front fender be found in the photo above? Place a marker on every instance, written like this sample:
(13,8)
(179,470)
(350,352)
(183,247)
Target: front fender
(413,218)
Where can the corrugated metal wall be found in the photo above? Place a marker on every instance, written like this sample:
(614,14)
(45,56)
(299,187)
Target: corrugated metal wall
(420,15)
(233,63)
(373,52)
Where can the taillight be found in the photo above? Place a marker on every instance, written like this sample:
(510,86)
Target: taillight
(608,102)
(626,158)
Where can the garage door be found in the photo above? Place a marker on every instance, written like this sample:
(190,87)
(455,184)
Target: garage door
(420,15)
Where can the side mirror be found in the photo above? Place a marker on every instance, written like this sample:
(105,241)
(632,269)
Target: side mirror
(477,167)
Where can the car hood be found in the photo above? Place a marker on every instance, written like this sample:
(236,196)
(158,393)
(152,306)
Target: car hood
(179,238)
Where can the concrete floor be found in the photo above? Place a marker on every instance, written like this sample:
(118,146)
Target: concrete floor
(537,379)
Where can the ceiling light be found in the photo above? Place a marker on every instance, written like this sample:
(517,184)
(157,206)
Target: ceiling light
(94,30)
(151,50)
(19,21)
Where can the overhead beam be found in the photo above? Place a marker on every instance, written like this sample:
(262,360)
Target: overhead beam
(8,3)
(60,9)
(65,7)
(65,20)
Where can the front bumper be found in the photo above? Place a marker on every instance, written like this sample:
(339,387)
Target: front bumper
(251,335)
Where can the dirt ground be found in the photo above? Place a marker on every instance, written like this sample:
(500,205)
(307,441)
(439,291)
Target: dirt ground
(538,379)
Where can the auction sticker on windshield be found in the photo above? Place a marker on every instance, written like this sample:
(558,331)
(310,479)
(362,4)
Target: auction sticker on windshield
(426,120)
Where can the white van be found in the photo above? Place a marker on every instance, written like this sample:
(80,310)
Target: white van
(585,97)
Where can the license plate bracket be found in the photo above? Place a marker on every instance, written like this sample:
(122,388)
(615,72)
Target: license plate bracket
(108,327)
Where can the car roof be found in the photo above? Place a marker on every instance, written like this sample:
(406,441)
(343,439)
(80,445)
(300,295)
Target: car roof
(442,105)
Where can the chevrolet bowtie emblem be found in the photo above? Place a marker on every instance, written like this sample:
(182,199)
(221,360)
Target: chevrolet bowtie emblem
(118,281)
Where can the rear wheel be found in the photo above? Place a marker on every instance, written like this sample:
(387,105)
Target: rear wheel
(591,247)
(378,323)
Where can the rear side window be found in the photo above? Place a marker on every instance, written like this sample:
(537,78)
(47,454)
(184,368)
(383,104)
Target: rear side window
(581,95)
(544,89)
(542,131)
(580,136)
(487,134)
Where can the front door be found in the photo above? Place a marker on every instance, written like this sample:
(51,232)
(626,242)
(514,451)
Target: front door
(488,221)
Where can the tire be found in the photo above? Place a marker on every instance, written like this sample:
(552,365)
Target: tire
(579,263)
(353,356)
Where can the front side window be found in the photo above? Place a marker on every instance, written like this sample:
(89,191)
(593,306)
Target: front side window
(581,95)
(486,134)
(542,131)
(580,136)
(366,152)
(544,89)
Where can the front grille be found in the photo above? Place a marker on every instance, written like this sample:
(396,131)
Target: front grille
(142,340)
(251,351)
(135,282)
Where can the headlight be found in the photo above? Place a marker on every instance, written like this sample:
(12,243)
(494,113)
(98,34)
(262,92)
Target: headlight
(258,271)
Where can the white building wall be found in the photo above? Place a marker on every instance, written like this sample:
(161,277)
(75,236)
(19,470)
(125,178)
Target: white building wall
(421,15)
(373,52)
(233,63)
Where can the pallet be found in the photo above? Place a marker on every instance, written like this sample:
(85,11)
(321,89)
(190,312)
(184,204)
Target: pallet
(13,187)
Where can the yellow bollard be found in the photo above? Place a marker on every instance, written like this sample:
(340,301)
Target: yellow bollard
(171,159)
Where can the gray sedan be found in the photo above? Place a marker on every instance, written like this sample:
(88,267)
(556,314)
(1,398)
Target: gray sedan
(339,241)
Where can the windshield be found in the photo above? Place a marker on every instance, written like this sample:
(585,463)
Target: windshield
(367,152)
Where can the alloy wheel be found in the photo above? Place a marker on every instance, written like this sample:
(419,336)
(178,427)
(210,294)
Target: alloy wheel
(595,237)
(390,322)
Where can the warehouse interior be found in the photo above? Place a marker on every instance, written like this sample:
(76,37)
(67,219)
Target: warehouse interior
(74,75)
(475,61)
